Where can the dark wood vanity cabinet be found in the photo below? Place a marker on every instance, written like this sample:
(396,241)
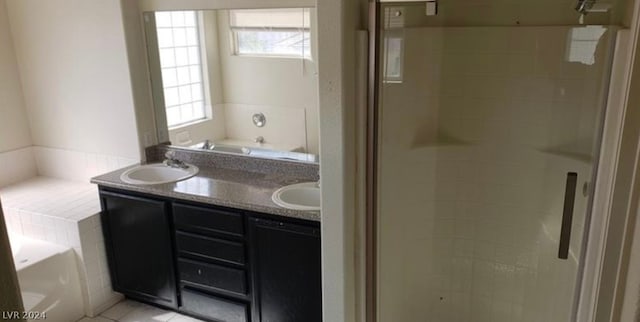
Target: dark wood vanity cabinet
(211,249)
(214,263)
(286,271)
(139,248)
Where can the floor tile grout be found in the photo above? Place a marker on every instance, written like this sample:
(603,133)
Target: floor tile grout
(132,311)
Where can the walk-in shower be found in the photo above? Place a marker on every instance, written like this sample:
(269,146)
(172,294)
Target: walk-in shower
(486,128)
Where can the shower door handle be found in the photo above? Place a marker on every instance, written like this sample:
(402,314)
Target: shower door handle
(567,215)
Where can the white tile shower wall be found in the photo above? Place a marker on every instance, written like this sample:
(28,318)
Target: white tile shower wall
(17,165)
(476,163)
(75,165)
(284,126)
(65,213)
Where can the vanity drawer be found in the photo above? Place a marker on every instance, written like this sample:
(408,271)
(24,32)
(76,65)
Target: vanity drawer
(208,220)
(210,248)
(213,276)
(213,307)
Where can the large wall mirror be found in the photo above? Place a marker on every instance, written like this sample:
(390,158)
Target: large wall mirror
(236,81)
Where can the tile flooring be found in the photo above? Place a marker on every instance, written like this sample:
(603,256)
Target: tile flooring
(131,311)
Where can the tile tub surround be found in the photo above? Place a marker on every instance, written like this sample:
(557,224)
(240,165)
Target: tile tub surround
(25,163)
(17,165)
(65,213)
(76,165)
(53,197)
(228,187)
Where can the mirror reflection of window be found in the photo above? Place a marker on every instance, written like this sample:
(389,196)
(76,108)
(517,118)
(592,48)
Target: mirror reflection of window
(180,59)
(212,70)
(271,32)
(393,56)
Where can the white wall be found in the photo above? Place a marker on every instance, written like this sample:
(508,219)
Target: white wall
(17,165)
(338,22)
(14,126)
(138,69)
(16,155)
(212,129)
(73,63)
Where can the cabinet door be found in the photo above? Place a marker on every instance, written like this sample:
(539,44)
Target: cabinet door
(138,242)
(286,271)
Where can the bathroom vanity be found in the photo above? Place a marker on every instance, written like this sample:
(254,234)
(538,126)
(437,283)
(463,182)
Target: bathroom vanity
(215,246)
(224,244)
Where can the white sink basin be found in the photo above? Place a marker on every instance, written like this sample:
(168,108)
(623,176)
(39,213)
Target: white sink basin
(157,173)
(301,196)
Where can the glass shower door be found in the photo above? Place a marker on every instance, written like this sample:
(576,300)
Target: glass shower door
(489,129)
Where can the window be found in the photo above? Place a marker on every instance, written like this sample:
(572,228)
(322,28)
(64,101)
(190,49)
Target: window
(180,62)
(393,57)
(271,32)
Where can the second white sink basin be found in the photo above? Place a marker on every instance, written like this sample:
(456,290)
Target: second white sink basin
(157,173)
(301,196)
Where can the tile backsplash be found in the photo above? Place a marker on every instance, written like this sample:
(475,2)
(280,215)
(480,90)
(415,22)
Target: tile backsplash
(17,165)
(74,165)
(21,164)
(303,170)
(284,126)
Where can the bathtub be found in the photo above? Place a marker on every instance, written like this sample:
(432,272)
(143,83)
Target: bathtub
(48,278)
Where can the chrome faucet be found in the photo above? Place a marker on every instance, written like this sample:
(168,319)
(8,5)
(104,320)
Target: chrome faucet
(171,161)
(207,145)
(259,139)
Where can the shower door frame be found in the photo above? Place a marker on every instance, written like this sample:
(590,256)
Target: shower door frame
(595,240)
(371,181)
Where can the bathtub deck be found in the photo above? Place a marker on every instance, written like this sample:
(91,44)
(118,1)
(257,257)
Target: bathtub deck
(65,213)
(52,197)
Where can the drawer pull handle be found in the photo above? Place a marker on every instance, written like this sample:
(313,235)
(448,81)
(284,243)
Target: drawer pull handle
(199,272)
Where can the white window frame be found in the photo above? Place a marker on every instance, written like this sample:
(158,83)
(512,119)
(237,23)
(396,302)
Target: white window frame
(235,44)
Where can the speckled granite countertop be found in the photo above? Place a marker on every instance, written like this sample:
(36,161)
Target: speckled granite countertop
(232,188)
